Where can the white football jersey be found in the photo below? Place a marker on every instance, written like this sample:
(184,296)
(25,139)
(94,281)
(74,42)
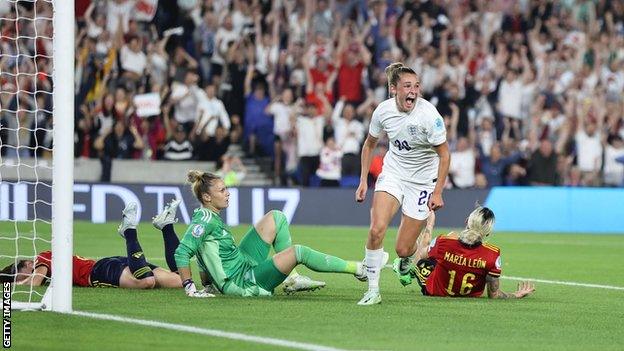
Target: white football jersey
(412,137)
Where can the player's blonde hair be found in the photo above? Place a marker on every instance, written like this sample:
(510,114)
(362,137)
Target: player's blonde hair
(200,182)
(478,226)
(394,72)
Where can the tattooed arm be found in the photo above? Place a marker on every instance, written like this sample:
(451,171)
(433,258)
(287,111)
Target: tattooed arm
(423,241)
(494,291)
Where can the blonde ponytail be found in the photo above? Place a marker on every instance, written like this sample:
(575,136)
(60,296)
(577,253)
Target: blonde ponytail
(478,227)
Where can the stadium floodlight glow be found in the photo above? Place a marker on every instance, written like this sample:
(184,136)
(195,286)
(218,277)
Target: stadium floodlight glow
(24,174)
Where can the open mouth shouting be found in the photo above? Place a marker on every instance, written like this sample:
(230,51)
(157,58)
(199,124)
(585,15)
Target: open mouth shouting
(409,102)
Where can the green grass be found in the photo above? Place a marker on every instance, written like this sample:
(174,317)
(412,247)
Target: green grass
(556,317)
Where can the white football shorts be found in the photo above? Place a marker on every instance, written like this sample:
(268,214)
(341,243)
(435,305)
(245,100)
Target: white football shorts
(412,197)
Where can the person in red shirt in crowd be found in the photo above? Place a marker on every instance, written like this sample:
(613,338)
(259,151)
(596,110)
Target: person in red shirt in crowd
(321,71)
(319,82)
(132,271)
(354,57)
(463,265)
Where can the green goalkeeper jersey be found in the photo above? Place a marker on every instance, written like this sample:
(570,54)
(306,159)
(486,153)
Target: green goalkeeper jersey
(210,240)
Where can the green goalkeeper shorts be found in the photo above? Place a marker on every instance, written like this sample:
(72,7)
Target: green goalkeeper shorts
(267,276)
(253,247)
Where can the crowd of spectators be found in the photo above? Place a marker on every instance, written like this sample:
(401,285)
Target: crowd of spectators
(531,91)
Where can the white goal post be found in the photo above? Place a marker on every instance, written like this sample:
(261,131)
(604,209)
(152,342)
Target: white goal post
(63,156)
(58,296)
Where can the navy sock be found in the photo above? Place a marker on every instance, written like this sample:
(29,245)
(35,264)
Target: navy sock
(171,244)
(136,259)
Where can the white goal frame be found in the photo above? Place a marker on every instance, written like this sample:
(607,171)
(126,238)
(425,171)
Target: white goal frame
(58,297)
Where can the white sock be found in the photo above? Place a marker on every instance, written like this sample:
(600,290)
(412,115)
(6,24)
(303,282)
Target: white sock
(373,267)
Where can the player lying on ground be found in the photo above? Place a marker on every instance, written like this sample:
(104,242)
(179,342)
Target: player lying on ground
(247,269)
(132,271)
(461,265)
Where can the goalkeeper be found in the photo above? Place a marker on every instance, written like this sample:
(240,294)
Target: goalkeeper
(247,269)
(132,271)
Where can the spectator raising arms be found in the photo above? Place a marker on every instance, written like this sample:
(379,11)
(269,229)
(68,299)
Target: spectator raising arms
(552,70)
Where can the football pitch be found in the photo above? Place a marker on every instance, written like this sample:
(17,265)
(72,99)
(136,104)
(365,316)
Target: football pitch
(578,303)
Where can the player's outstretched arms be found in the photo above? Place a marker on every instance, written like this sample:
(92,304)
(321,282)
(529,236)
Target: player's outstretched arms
(494,292)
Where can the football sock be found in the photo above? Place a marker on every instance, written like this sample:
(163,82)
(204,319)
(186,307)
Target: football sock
(171,244)
(136,259)
(320,262)
(282,239)
(373,267)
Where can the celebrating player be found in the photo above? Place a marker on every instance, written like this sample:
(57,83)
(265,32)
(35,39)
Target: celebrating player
(132,271)
(461,265)
(247,269)
(418,157)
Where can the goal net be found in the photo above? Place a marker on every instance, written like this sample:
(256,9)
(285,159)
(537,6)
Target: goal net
(36,148)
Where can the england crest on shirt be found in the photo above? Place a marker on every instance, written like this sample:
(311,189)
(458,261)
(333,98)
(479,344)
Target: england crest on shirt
(412,130)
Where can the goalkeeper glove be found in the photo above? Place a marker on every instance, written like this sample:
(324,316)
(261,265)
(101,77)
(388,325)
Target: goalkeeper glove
(191,290)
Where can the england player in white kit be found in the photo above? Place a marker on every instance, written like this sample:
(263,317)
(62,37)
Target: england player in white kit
(412,177)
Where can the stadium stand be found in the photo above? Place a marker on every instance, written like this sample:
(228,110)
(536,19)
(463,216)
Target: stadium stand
(532,92)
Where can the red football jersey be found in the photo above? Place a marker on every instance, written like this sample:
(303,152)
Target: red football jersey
(81,270)
(461,270)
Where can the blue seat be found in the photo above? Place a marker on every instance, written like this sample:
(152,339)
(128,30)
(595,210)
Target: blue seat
(315,181)
(349,181)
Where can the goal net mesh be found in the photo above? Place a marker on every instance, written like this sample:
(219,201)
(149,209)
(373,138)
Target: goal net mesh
(26,46)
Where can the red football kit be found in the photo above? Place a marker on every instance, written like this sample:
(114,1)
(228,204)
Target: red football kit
(80,272)
(461,269)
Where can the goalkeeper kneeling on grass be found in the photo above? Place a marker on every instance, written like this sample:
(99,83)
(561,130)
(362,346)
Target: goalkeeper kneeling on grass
(460,265)
(132,271)
(247,269)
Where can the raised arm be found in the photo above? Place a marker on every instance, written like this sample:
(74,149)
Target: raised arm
(249,75)
(306,67)
(257,18)
(337,113)
(138,140)
(167,121)
(89,13)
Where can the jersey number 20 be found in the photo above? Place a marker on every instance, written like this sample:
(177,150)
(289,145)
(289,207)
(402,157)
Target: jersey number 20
(402,145)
